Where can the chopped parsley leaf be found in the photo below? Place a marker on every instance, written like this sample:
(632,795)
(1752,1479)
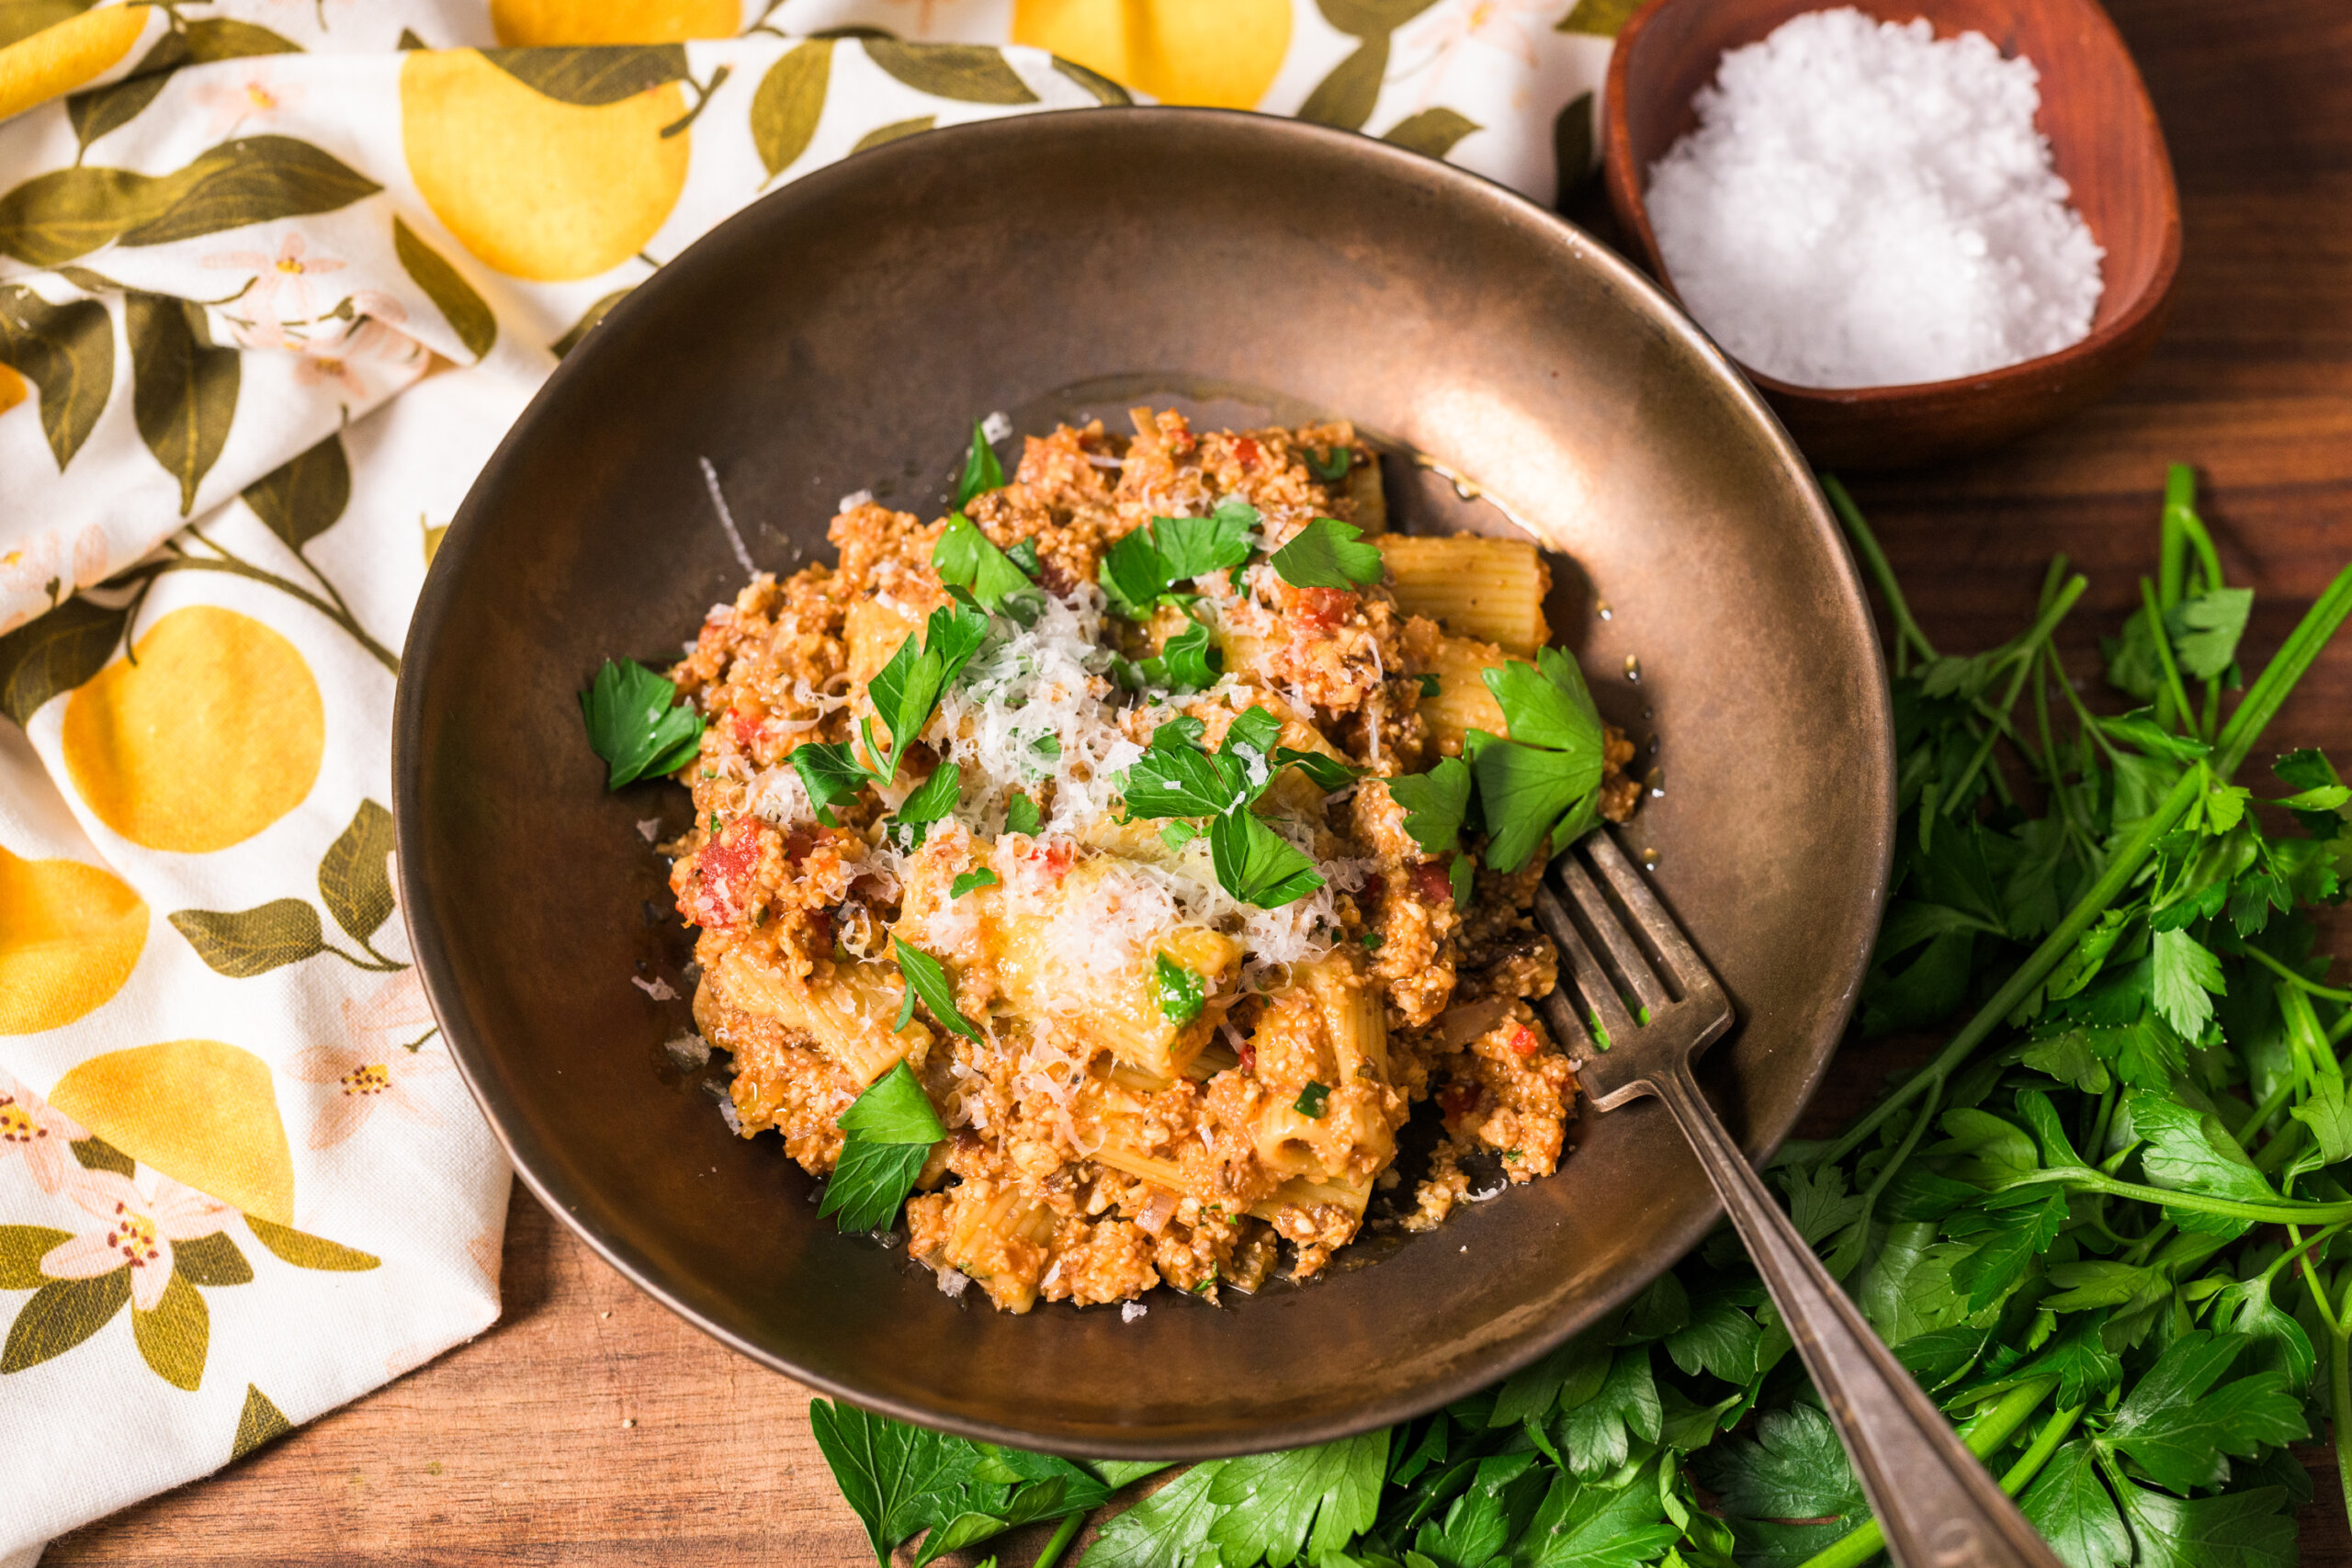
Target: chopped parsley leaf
(1178,990)
(1143,569)
(1188,661)
(1021,816)
(1311,1101)
(1328,464)
(1461,877)
(1434,803)
(1177,834)
(970,880)
(1023,554)
(1329,773)
(965,558)
(1536,789)
(982,472)
(1429,684)
(926,979)
(1257,864)
(1326,554)
(889,1131)
(636,723)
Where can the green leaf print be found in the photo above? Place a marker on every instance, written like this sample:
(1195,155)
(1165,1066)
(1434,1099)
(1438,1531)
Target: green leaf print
(894,130)
(98,110)
(260,1422)
(19,19)
(789,103)
(588,318)
(1105,91)
(307,1251)
(468,316)
(1345,97)
(67,352)
(62,1315)
(1433,132)
(1601,19)
(355,880)
(304,497)
(52,654)
(211,1260)
(1572,138)
(67,213)
(21,1249)
(183,390)
(94,1153)
(592,76)
(969,73)
(245,942)
(172,1338)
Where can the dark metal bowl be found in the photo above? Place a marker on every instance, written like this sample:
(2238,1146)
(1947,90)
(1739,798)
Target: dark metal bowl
(840,335)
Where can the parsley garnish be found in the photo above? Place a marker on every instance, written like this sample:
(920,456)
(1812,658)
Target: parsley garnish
(1325,554)
(970,880)
(888,1133)
(965,558)
(1257,864)
(1175,778)
(1023,554)
(1144,567)
(933,803)
(1430,685)
(636,723)
(1178,990)
(1176,835)
(1188,661)
(1021,816)
(1311,1101)
(927,980)
(1435,803)
(1329,773)
(1330,464)
(982,472)
(904,693)
(1536,788)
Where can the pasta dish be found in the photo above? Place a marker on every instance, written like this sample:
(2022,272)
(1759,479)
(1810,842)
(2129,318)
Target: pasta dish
(1105,870)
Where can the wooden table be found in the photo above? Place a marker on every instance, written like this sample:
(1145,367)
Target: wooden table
(592,1425)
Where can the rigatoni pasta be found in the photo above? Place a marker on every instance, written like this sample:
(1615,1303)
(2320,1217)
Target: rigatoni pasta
(1100,811)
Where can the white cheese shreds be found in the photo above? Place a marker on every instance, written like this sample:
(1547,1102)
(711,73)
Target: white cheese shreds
(996,427)
(952,1283)
(779,796)
(1130,1311)
(658,989)
(854,500)
(689,1051)
(649,828)
(1863,203)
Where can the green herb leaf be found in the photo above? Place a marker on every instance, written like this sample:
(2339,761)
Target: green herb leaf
(1328,464)
(1328,773)
(1435,803)
(1021,816)
(1170,1526)
(1145,564)
(636,723)
(1306,1501)
(1257,864)
(900,1479)
(934,802)
(831,774)
(967,558)
(2177,1425)
(2069,1504)
(1178,989)
(927,980)
(982,472)
(889,1131)
(1326,554)
(906,690)
(1188,661)
(1311,1101)
(969,880)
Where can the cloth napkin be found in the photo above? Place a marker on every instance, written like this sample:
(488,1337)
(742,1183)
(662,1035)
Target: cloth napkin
(275,277)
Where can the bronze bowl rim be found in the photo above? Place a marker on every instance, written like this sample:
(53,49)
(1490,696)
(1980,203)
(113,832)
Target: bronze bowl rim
(467,1041)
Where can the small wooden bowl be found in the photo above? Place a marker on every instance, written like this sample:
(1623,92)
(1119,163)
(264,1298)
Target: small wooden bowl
(2103,137)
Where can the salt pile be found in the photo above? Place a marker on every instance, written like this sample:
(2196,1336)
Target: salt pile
(1864,205)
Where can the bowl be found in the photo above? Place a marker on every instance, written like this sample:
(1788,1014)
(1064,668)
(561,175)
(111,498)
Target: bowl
(842,334)
(2104,139)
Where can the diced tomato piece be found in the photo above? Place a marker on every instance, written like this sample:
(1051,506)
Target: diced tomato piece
(1458,1100)
(1053,859)
(1248,1055)
(1430,880)
(1320,609)
(1246,453)
(1523,1040)
(724,873)
(744,726)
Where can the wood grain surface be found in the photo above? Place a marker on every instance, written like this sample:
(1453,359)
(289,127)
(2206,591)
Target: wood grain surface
(590,1425)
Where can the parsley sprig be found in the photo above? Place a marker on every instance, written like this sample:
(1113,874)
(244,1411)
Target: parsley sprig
(888,1131)
(904,693)
(636,723)
(1177,777)
(2107,1226)
(1326,554)
(1141,572)
(1538,788)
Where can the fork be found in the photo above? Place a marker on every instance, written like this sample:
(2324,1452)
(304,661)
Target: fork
(1935,1504)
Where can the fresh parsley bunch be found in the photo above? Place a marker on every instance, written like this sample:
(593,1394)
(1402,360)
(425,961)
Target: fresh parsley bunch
(2107,1226)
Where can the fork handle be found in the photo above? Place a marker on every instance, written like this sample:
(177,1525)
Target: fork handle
(1937,1505)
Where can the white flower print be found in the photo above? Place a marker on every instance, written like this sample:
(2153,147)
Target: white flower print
(346,357)
(388,1031)
(32,1127)
(126,1226)
(282,286)
(250,94)
(1509,27)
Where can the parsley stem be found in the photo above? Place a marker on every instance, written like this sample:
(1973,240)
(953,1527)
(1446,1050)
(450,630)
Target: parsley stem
(1064,1533)
(2284,1211)
(2030,644)
(2121,867)
(1908,634)
(2312,987)
(2261,702)
(2172,701)
(1984,1433)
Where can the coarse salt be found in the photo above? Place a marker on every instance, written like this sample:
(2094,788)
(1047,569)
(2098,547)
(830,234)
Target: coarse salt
(1864,204)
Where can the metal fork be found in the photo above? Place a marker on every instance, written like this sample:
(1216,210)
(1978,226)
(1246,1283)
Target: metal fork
(1935,1501)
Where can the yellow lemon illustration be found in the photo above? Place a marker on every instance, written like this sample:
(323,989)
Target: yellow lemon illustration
(12,389)
(202,1111)
(539,188)
(209,732)
(1223,53)
(62,57)
(70,935)
(523,23)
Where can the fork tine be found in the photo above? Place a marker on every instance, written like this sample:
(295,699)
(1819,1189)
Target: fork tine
(1683,965)
(1605,1022)
(1631,963)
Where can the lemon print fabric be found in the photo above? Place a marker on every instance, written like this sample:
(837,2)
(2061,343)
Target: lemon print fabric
(1218,53)
(70,935)
(209,732)
(540,185)
(61,58)
(13,390)
(202,1111)
(524,23)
